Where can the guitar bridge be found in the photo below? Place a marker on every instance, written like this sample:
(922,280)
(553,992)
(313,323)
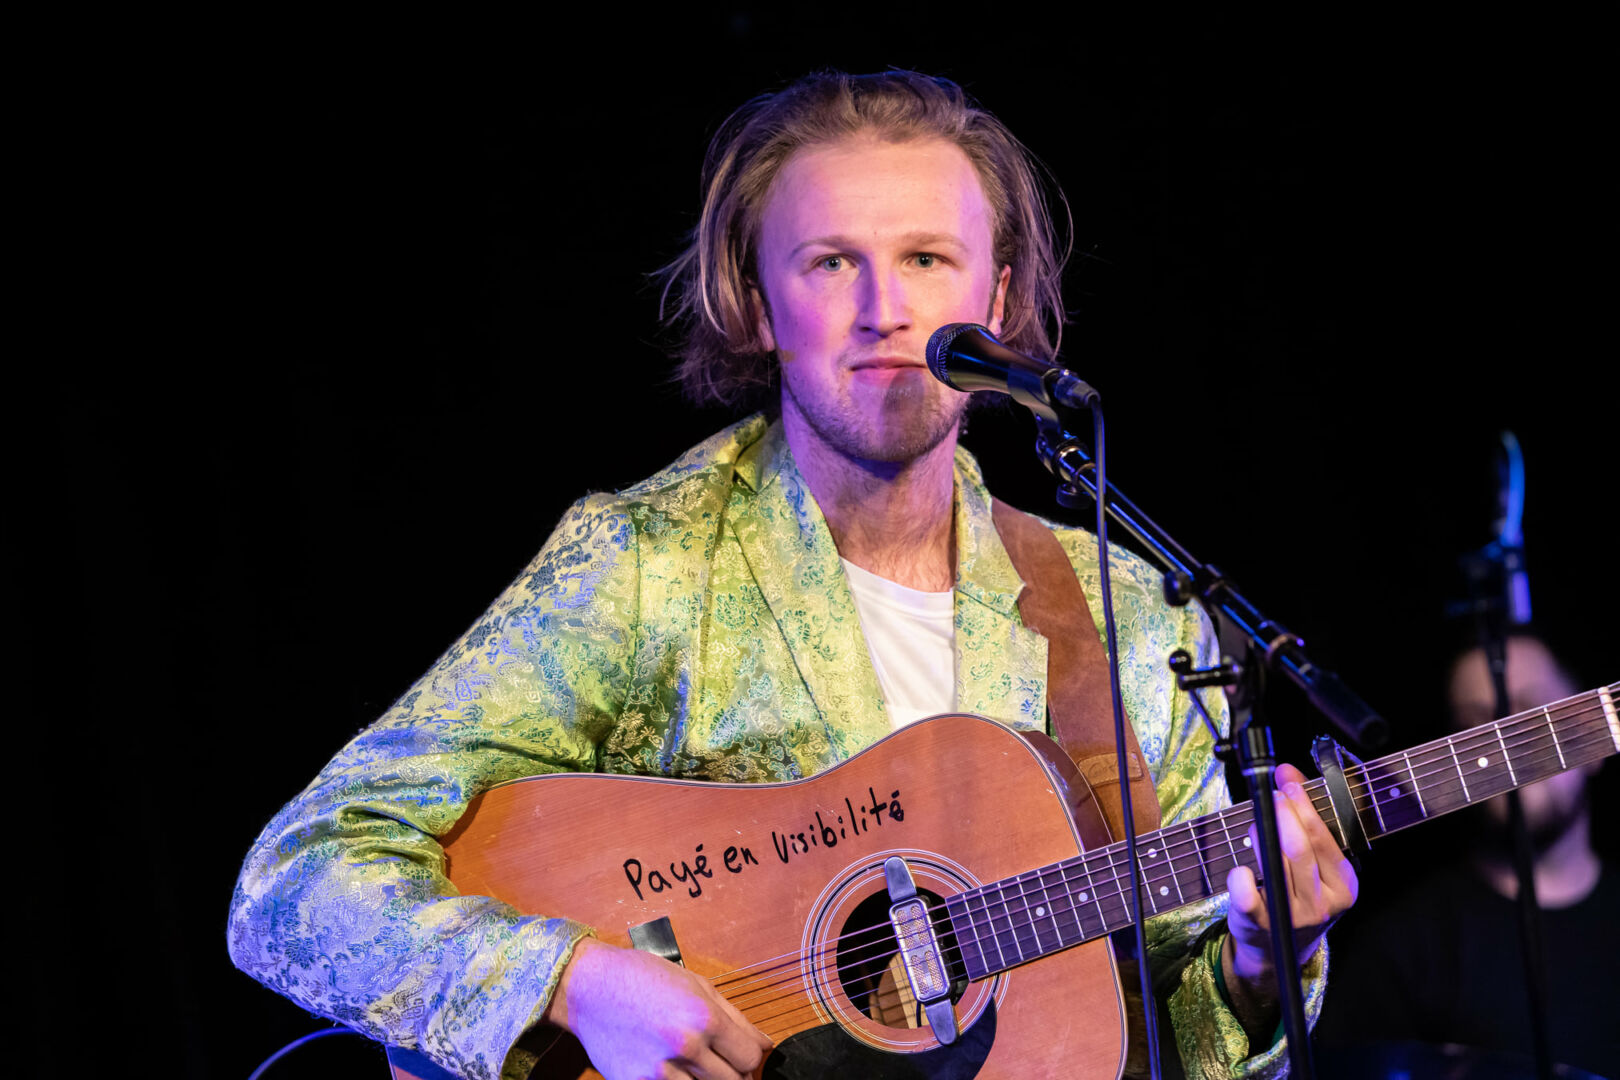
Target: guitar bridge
(919,950)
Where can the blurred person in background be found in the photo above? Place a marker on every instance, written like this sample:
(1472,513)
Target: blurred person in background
(1439,963)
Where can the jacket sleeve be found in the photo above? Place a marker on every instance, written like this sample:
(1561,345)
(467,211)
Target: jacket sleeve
(1185,945)
(343,904)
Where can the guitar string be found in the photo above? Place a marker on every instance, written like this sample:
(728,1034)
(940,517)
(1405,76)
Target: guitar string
(1582,706)
(1589,707)
(1455,776)
(1319,798)
(1475,740)
(1512,726)
(1481,737)
(1096,859)
(882,938)
(1236,819)
(1578,740)
(940,917)
(1231,822)
(1115,901)
(1118,910)
(868,967)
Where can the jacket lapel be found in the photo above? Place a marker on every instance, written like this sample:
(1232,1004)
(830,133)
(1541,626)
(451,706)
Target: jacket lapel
(793,559)
(1000,663)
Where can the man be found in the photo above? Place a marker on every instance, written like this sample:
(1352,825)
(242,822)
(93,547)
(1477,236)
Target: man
(1440,963)
(726,619)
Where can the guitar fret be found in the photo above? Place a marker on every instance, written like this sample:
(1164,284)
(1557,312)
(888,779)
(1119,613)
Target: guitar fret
(1113,890)
(1181,896)
(973,963)
(1073,891)
(990,921)
(1049,912)
(1197,886)
(1589,746)
(1154,856)
(1411,777)
(1091,891)
(1010,933)
(1372,790)
(1178,862)
(1027,916)
(1084,896)
(1487,774)
(1200,860)
(1119,899)
(1228,833)
(1229,823)
(1506,758)
(1017,923)
(1067,927)
(1035,915)
(1030,937)
(1451,744)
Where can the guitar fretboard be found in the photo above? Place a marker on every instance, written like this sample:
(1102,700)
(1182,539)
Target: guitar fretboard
(1008,922)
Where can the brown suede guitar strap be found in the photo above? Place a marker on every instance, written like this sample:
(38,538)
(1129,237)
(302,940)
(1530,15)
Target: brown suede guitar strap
(1078,698)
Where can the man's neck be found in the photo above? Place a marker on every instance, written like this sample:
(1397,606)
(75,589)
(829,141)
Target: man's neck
(894,519)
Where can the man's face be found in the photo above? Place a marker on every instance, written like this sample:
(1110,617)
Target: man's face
(1533,679)
(866,248)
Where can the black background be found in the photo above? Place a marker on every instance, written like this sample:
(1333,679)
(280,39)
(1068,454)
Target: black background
(351,318)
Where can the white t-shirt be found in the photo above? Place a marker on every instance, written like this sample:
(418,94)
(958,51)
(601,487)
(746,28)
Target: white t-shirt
(911,636)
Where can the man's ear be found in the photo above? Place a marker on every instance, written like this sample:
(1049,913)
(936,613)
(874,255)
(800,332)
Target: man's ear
(998,301)
(762,319)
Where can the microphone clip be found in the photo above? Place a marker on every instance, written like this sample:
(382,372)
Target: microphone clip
(1063,457)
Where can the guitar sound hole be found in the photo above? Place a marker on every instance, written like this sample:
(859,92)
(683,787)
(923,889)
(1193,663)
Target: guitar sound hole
(869,966)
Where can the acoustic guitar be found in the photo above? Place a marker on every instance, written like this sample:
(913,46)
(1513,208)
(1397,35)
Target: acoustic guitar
(938,905)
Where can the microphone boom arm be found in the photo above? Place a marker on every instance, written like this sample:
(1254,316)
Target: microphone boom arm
(1185,577)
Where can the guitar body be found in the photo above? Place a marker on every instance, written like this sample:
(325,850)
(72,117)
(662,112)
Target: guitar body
(766,887)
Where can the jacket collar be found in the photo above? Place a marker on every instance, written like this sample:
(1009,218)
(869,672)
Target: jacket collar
(1000,664)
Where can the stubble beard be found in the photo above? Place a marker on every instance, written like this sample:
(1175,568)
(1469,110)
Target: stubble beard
(913,421)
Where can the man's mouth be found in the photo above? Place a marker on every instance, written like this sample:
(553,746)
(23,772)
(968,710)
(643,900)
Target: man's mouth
(883,363)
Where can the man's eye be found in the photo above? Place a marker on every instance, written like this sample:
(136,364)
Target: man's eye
(927,261)
(831,262)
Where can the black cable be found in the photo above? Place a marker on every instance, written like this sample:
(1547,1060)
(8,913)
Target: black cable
(300,1041)
(1149,1006)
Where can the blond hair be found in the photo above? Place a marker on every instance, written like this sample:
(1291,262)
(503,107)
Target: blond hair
(708,289)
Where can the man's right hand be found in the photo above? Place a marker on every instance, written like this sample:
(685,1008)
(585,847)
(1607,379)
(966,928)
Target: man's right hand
(638,1015)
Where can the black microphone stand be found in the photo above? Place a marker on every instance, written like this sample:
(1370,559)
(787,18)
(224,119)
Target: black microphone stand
(1270,647)
(1059,399)
(1499,598)
(1185,578)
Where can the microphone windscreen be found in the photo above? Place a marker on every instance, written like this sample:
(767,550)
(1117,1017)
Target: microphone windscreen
(939,348)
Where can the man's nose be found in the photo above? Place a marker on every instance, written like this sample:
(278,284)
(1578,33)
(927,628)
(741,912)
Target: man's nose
(885,307)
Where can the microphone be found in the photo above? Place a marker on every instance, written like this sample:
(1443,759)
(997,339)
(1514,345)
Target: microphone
(1510,528)
(967,357)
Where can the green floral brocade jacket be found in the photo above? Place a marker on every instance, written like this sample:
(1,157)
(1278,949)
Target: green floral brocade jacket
(697,625)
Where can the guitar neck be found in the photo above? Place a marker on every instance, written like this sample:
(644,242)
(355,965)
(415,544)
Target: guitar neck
(1015,920)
